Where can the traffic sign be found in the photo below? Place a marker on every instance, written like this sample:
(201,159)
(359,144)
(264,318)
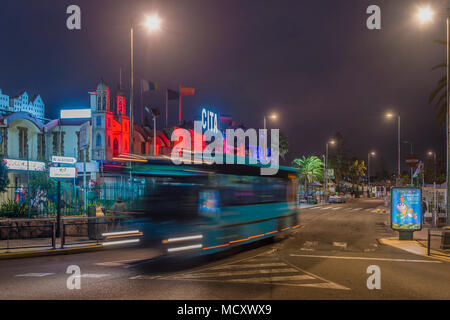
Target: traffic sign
(85,135)
(63,172)
(412,160)
(68,160)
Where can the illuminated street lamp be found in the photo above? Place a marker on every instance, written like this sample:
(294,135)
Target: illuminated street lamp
(273,116)
(425,15)
(368,169)
(391,115)
(325,193)
(151,23)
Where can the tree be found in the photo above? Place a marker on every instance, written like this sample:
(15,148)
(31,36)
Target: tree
(439,94)
(4,180)
(357,170)
(311,168)
(284,145)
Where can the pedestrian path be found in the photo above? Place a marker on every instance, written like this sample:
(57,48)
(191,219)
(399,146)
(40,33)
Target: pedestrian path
(265,269)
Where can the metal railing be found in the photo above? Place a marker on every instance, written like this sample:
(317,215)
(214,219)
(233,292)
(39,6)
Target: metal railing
(430,234)
(21,240)
(90,230)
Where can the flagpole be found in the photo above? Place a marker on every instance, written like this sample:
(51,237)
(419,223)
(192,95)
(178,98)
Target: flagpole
(179,100)
(167,105)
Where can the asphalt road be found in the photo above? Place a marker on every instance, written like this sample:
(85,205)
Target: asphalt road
(327,258)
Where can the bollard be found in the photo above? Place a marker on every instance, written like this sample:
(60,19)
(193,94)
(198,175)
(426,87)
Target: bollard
(54,235)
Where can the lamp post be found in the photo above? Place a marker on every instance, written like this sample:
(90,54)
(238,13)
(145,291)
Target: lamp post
(368,169)
(325,192)
(272,116)
(391,115)
(433,154)
(411,169)
(425,14)
(151,23)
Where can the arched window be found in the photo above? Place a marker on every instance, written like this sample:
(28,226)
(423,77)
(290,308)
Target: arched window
(98,141)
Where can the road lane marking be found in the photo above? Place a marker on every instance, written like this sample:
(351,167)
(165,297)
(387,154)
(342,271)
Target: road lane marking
(239,273)
(94,275)
(313,208)
(326,208)
(264,273)
(356,209)
(274,278)
(34,274)
(361,258)
(342,245)
(336,208)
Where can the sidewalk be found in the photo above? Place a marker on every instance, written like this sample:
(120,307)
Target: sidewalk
(20,248)
(420,244)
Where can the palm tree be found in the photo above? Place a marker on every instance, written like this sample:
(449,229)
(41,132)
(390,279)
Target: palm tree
(283,145)
(311,168)
(439,94)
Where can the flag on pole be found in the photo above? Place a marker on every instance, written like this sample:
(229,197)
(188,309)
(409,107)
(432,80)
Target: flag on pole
(186,91)
(149,86)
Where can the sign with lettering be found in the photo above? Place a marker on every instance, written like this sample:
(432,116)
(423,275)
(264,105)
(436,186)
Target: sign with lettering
(58,159)
(406,209)
(63,172)
(209,120)
(13,164)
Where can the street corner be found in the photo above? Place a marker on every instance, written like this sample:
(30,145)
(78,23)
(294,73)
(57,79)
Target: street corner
(415,247)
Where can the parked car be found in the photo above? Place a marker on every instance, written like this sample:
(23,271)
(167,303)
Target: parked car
(337,199)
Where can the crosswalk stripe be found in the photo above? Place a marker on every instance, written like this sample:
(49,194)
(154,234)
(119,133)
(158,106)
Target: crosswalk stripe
(253,265)
(275,278)
(313,208)
(357,209)
(238,273)
(265,269)
(336,208)
(326,208)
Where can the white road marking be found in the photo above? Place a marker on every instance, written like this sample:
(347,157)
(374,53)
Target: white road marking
(336,208)
(307,249)
(342,245)
(34,274)
(93,275)
(325,208)
(238,273)
(357,209)
(253,265)
(313,208)
(274,278)
(362,258)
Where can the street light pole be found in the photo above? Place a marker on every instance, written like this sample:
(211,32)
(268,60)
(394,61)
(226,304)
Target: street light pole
(131,90)
(325,192)
(265,122)
(368,172)
(447,121)
(398,155)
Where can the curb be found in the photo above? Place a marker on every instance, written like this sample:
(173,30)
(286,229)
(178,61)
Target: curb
(43,253)
(419,249)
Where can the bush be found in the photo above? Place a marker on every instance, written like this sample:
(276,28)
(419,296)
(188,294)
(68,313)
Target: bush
(12,209)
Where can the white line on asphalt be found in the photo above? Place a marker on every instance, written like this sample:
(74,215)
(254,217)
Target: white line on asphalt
(248,265)
(340,244)
(313,208)
(326,208)
(361,258)
(357,209)
(93,275)
(239,273)
(274,278)
(34,274)
(336,208)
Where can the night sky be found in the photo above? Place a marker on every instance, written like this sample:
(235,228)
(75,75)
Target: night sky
(313,62)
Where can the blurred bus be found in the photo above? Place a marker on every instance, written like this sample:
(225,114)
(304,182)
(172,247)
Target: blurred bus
(201,209)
